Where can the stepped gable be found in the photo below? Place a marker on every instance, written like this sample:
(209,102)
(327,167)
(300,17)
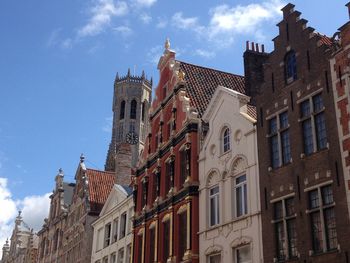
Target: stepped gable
(100,184)
(202,83)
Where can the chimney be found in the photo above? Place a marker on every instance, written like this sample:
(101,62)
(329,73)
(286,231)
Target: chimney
(348,6)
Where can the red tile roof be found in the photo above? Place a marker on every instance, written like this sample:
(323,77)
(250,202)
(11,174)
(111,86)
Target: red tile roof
(202,83)
(325,40)
(100,184)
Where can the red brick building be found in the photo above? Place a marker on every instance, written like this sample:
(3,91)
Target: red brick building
(341,89)
(166,182)
(304,213)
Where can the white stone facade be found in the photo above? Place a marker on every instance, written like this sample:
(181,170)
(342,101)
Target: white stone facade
(112,239)
(229,216)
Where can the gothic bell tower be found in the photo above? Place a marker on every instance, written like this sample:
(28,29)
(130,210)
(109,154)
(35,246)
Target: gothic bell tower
(131,101)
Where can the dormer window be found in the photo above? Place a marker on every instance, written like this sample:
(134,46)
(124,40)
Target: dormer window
(290,67)
(226,141)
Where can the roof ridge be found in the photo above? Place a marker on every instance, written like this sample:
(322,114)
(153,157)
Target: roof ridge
(213,69)
(101,171)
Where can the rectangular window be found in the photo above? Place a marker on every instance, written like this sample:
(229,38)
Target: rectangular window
(169,176)
(105,260)
(108,229)
(113,258)
(182,234)
(215,258)
(152,238)
(122,225)
(242,255)
(121,255)
(214,197)
(166,240)
(128,254)
(240,193)
(285,229)
(313,124)
(115,229)
(183,167)
(279,140)
(130,214)
(322,219)
(140,250)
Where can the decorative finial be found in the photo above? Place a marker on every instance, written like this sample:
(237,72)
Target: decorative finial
(167,44)
(128,72)
(82,158)
(143,74)
(151,81)
(181,75)
(60,171)
(117,76)
(19,213)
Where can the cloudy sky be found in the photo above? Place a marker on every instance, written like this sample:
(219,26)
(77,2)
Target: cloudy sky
(58,61)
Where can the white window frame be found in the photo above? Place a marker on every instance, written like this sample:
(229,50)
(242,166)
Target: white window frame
(244,197)
(226,146)
(216,197)
(212,256)
(235,256)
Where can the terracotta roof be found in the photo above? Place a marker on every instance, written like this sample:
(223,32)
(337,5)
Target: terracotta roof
(202,82)
(251,110)
(100,184)
(325,40)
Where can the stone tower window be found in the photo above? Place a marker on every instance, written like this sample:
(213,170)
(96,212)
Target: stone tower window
(133,109)
(143,112)
(122,110)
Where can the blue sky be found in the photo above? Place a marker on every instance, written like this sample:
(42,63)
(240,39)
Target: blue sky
(58,61)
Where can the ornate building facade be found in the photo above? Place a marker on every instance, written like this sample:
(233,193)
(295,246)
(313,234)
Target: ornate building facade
(51,234)
(112,240)
(23,247)
(304,214)
(166,183)
(91,191)
(230,218)
(131,102)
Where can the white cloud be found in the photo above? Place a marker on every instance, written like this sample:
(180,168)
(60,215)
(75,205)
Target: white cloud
(145,18)
(101,15)
(145,3)
(179,21)
(226,22)
(53,38)
(67,43)
(205,53)
(123,30)
(35,209)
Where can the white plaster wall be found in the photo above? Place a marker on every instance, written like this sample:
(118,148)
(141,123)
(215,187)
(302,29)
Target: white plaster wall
(231,232)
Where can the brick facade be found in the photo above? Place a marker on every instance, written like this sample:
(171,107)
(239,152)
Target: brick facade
(296,97)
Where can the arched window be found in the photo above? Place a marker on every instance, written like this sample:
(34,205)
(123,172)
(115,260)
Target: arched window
(133,109)
(290,67)
(226,141)
(122,110)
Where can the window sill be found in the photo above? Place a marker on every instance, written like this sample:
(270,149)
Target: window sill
(305,156)
(225,153)
(331,251)
(270,169)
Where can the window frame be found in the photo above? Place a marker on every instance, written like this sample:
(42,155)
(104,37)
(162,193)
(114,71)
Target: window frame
(216,209)
(244,195)
(290,68)
(133,109)
(225,140)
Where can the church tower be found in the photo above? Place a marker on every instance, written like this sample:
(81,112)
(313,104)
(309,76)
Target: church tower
(131,101)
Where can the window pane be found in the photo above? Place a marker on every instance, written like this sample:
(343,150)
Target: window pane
(215,259)
(318,102)
(316,228)
(331,232)
(241,179)
(275,160)
(152,238)
(285,146)
(214,190)
(166,244)
(239,201)
(289,203)
(307,137)
(243,255)
(305,109)
(280,241)
(292,238)
(327,195)
(321,136)
(183,234)
(284,120)
(291,66)
(273,125)
(226,140)
(314,201)
(278,210)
